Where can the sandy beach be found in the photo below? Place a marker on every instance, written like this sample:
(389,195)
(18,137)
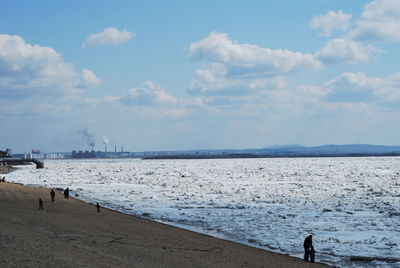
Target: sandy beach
(71,233)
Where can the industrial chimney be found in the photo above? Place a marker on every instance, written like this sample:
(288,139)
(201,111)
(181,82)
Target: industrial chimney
(105,141)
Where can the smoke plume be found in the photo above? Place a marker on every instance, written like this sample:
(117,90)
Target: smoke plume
(105,140)
(87,136)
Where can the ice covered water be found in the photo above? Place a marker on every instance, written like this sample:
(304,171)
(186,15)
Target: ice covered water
(350,205)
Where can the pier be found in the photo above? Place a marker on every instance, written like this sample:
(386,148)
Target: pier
(20,161)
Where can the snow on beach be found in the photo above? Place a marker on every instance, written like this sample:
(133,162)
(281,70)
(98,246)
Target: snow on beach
(350,205)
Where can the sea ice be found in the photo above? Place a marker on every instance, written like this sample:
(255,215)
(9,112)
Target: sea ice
(350,205)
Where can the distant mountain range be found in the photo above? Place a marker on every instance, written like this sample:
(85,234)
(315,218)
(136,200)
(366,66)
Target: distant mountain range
(337,149)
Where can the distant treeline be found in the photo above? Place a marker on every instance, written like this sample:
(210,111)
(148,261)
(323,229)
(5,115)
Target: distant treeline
(229,156)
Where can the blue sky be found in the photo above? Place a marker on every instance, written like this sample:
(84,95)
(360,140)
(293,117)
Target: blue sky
(175,75)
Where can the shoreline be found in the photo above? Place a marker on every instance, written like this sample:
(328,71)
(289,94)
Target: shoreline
(195,229)
(153,244)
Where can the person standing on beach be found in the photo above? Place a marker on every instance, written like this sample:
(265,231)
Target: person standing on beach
(307,247)
(41,204)
(98,207)
(52,195)
(66,193)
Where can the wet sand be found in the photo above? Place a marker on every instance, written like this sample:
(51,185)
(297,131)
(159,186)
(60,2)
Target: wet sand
(70,233)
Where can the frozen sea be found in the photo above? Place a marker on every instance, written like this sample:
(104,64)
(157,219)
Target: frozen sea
(350,205)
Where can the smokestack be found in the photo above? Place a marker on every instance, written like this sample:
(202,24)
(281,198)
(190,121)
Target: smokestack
(105,141)
(122,149)
(115,149)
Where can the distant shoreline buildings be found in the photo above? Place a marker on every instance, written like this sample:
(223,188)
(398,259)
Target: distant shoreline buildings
(350,150)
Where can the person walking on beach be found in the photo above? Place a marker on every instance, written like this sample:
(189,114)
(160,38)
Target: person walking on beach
(66,193)
(307,247)
(41,204)
(52,195)
(98,207)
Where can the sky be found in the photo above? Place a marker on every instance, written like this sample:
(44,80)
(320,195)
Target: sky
(180,75)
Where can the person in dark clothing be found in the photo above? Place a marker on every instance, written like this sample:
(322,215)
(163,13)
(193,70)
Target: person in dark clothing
(66,193)
(41,204)
(307,247)
(312,254)
(98,207)
(52,195)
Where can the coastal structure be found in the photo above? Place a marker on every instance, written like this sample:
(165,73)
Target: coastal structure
(7,159)
(6,153)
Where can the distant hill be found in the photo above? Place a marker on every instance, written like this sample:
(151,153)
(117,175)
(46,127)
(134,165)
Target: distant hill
(344,149)
(285,147)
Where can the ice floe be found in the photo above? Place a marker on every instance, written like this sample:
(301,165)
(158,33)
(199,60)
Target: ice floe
(350,205)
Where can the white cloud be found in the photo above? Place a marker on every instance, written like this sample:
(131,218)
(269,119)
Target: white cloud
(379,9)
(247,59)
(345,51)
(277,82)
(239,69)
(109,36)
(389,89)
(347,91)
(377,30)
(358,87)
(212,80)
(31,70)
(354,80)
(331,21)
(149,94)
(215,82)
(379,21)
(243,69)
(89,78)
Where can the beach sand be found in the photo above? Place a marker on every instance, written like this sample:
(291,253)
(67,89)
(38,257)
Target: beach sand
(70,233)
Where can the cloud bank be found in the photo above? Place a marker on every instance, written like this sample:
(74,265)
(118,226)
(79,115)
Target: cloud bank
(108,37)
(238,69)
(31,70)
(341,50)
(149,94)
(330,22)
(247,59)
(380,21)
